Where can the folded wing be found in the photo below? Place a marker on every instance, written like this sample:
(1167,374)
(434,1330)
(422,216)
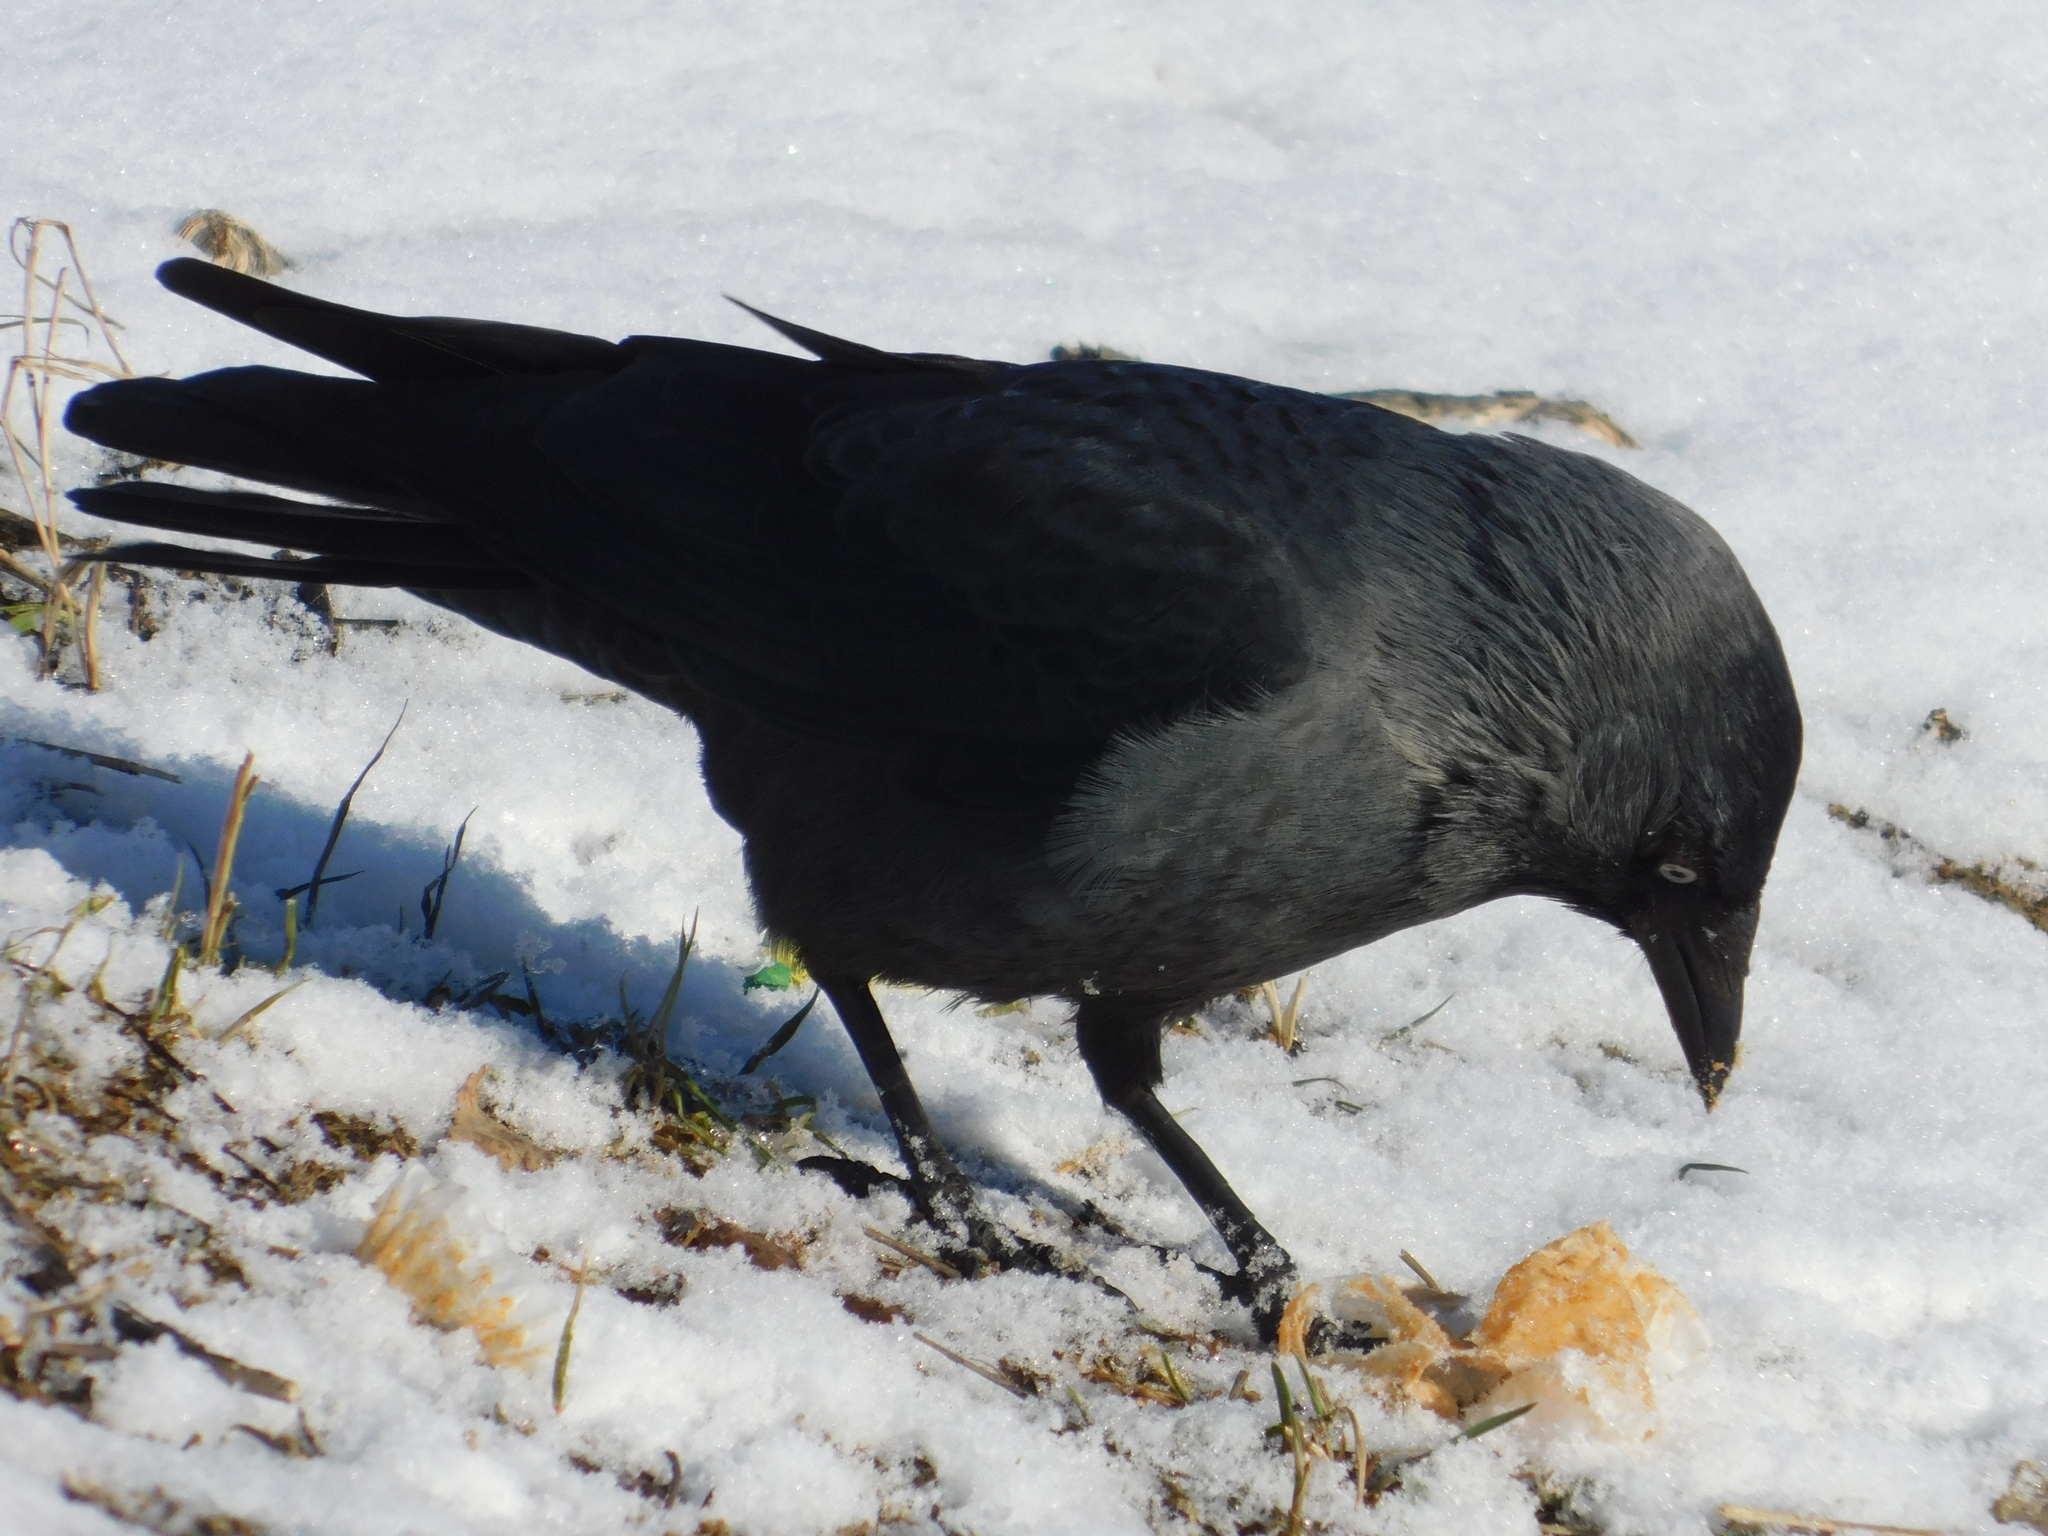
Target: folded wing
(984,571)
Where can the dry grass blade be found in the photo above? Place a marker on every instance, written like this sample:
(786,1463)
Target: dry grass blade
(155,1510)
(561,1378)
(938,1267)
(31,375)
(986,1372)
(61,590)
(1420,1273)
(1415,1023)
(298,1443)
(1361,1462)
(1742,1520)
(96,591)
(229,242)
(43,979)
(220,903)
(1295,1435)
(1284,1019)
(257,1012)
(138,1329)
(34,229)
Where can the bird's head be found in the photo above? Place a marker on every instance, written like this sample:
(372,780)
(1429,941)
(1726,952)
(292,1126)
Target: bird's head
(1689,897)
(1621,731)
(1678,779)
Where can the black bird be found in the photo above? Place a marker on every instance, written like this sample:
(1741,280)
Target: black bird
(1115,682)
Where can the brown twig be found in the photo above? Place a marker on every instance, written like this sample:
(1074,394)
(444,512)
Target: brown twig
(33,370)
(1742,1518)
(938,1267)
(986,1372)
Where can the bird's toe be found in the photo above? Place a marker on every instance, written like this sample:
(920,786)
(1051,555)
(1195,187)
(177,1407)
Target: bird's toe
(1265,1282)
(858,1179)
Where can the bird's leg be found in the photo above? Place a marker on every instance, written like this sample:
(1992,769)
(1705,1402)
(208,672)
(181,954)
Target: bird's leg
(1122,1051)
(940,1189)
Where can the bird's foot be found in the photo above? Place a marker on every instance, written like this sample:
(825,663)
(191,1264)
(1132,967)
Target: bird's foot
(858,1179)
(978,1245)
(1265,1282)
(971,1240)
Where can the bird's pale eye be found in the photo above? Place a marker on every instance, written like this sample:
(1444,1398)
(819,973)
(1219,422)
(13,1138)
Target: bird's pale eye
(1678,873)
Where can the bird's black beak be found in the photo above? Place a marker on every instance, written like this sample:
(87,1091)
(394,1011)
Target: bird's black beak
(1700,969)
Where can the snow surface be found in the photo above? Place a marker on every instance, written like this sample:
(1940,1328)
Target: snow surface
(1796,251)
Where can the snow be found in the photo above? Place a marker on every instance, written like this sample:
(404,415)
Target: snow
(1794,251)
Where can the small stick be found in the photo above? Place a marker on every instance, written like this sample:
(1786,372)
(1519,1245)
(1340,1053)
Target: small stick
(29,263)
(107,327)
(89,642)
(986,1372)
(45,508)
(1743,1517)
(40,398)
(21,572)
(1424,1275)
(938,1267)
(137,1328)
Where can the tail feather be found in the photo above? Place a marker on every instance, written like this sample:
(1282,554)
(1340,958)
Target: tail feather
(349,532)
(387,348)
(324,568)
(237,421)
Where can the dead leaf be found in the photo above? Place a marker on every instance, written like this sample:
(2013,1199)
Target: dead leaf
(2026,1501)
(700,1229)
(1577,1326)
(486,1132)
(871,1309)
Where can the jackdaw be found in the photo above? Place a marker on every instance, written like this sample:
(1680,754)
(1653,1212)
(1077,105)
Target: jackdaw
(1102,680)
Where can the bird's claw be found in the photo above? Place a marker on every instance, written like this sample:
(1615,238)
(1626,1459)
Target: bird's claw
(972,1241)
(858,1179)
(979,1246)
(1264,1282)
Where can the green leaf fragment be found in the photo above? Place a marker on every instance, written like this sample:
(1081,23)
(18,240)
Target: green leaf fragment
(774,977)
(1485,1426)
